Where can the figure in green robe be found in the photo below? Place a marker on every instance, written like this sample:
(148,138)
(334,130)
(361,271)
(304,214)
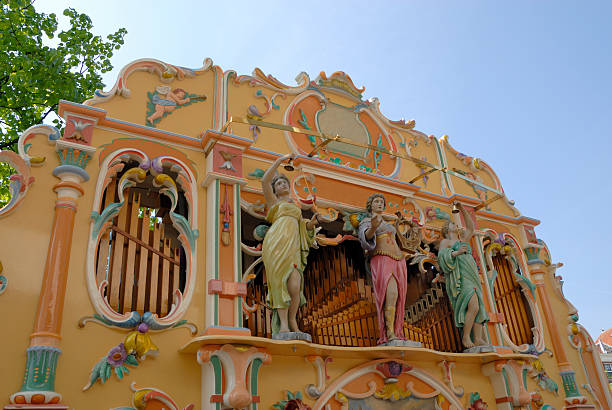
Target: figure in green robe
(462,281)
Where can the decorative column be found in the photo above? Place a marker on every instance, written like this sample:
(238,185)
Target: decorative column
(225,287)
(508,379)
(234,371)
(539,270)
(38,389)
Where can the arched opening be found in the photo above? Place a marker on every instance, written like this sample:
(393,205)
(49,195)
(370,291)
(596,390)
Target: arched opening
(509,298)
(139,254)
(340,309)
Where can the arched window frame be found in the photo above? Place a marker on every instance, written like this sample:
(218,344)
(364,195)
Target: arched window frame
(516,257)
(113,164)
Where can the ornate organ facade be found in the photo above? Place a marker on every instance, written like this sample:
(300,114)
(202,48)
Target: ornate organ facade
(132,258)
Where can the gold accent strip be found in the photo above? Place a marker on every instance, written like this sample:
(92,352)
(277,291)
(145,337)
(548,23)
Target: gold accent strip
(488,201)
(424,174)
(327,139)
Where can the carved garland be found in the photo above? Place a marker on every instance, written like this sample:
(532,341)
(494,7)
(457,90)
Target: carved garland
(391,371)
(185,226)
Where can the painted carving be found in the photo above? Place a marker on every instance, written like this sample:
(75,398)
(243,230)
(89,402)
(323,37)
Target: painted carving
(19,182)
(432,213)
(257,173)
(79,130)
(167,73)
(387,384)
(476,403)
(24,143)
(356,124)
(508,378)
(388,270)
(184,225)
(164,100)
(285,251)
(254,113)
(150,398)
(320,365)
(293,402)
(341,81)
(508,246)
(3,280)
(538,373)
(447,368)
(235,370)
(462,281)
(227,158)
(226,210)
(134,349)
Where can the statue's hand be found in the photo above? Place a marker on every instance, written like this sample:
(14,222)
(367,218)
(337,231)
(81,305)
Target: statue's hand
(438,278)
(314,221)
(376,221)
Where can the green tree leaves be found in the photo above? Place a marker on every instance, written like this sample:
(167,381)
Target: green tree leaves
(34,75)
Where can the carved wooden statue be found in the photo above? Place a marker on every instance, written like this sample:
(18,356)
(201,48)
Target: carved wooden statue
(462,281)
(285,251)
(388,269)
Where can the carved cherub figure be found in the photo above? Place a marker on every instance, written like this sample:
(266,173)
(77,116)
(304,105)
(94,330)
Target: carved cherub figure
(166,100)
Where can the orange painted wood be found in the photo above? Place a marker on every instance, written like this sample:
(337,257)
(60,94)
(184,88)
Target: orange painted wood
(102,265)
(155,305)
(165,277)
(143,260)
(510,301)
(177,273)
(117,260)
(130,265)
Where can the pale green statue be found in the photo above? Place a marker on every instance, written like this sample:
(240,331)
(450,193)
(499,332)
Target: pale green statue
(462,280)
(285,249)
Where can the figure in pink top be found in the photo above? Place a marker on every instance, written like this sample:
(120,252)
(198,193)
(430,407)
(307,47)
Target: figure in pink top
(388,269)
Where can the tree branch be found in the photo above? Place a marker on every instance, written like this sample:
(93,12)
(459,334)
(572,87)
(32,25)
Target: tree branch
(8,143)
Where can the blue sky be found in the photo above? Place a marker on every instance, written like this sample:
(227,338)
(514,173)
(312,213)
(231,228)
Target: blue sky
(524,85)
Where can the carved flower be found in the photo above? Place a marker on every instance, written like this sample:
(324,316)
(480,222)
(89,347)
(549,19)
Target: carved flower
(476,403)
(293,402)
(117,355)
(296,404)
(479,405)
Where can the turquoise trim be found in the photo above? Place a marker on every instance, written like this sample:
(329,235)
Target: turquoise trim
(569,384)
(216,363)
(216,256)
(254,377)
(185,227)
(506,381)
(238,228)
(41,365)
(527,282)
(107,214)
(442,163)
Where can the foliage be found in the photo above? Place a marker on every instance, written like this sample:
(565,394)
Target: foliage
(5,172)
(35,74)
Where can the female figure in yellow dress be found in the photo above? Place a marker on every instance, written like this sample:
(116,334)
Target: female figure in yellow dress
(285,249)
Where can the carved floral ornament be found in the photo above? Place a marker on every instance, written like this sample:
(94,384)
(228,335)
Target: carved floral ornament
(390,383)
(22,161)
